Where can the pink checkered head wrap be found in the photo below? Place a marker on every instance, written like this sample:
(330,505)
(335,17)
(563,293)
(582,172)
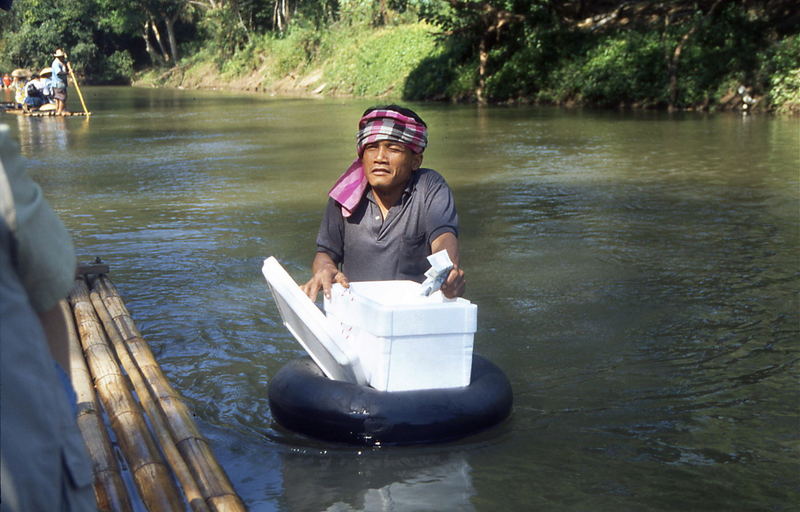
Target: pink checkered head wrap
(375,126)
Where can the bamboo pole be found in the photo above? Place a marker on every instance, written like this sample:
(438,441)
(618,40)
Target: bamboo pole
(78,88)
(163,436)
(214,484)
(152,478)
(109,488)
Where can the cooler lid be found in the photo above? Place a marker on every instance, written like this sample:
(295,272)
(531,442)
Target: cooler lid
(311,328)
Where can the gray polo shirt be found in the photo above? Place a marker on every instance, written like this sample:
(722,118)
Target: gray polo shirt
(369,248)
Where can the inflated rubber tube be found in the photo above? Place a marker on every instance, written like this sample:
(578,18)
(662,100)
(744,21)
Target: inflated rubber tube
(302,399)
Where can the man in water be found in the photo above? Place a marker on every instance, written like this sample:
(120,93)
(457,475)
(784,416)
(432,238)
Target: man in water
(58,80)
(386,213)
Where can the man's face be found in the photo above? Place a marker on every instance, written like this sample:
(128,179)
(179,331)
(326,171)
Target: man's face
(388,165)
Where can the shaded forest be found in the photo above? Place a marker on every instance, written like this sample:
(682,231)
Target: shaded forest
(707,54)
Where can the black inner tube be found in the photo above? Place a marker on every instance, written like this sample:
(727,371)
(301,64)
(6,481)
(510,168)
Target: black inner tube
(304,400)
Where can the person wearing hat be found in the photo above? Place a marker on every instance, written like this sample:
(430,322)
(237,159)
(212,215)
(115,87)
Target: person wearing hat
(20,77)
(58,80)
(46,85)
(37,91)
(386,214)
(33,94)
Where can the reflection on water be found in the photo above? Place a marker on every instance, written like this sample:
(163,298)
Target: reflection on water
(636,276)
(38,132)
(383,481)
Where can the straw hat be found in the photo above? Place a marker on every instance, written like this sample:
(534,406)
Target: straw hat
(45,72)
(20,73)
(60,53)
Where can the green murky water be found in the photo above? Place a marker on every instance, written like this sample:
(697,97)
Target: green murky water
(636,276)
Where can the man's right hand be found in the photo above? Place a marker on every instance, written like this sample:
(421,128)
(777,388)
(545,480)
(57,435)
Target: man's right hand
(325,274)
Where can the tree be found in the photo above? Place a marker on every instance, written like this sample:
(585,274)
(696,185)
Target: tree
(483,23)
(705,12)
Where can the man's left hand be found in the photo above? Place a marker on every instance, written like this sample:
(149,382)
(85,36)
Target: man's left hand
(455,284)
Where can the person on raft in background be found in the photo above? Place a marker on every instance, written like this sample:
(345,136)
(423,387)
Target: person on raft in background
(46,86)
(386,214)
(6,80)
(34,94)
(58,80)
(19,83)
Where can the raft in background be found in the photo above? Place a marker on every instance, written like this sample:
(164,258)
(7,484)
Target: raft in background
(44,113)
(108,355)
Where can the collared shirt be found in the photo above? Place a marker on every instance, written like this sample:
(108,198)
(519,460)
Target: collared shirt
(58,74)
(371,248)
(43,84)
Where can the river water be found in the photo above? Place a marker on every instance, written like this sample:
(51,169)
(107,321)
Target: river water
(636,276)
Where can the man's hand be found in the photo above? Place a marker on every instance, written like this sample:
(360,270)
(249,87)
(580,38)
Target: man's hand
(455,284)
(325,274)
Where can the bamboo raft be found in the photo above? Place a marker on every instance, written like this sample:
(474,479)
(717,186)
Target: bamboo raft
(114,372)
(44,113)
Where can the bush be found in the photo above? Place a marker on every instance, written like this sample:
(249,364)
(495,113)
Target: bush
(117,69)
(224,35)
(377,63)
(781,67)
(440,75)
(784,94)
(275,54)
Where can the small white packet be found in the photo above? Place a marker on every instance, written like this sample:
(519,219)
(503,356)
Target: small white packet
(441,265)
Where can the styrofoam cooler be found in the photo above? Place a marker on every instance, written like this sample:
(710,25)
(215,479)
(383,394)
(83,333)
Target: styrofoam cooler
(404,340)
(336,358)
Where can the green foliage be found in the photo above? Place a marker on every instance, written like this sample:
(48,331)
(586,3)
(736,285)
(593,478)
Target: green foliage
(622,69)
(782,67)
(275,55)
(724,48)
(370,13)
(524,73)
(376,63)
(785,91)
(538,50)
(782,57)
(47,25)
(446,73)
(117,68)
(356,59)
(359,12)
(223,33)
(88,31)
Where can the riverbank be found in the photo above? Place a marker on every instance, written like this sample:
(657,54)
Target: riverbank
(410,61)
(682,55)
(345,61)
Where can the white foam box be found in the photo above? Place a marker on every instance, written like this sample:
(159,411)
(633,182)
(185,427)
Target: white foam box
(405,341)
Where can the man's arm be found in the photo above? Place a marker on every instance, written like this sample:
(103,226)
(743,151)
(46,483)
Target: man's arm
(455,283)
(324,272)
